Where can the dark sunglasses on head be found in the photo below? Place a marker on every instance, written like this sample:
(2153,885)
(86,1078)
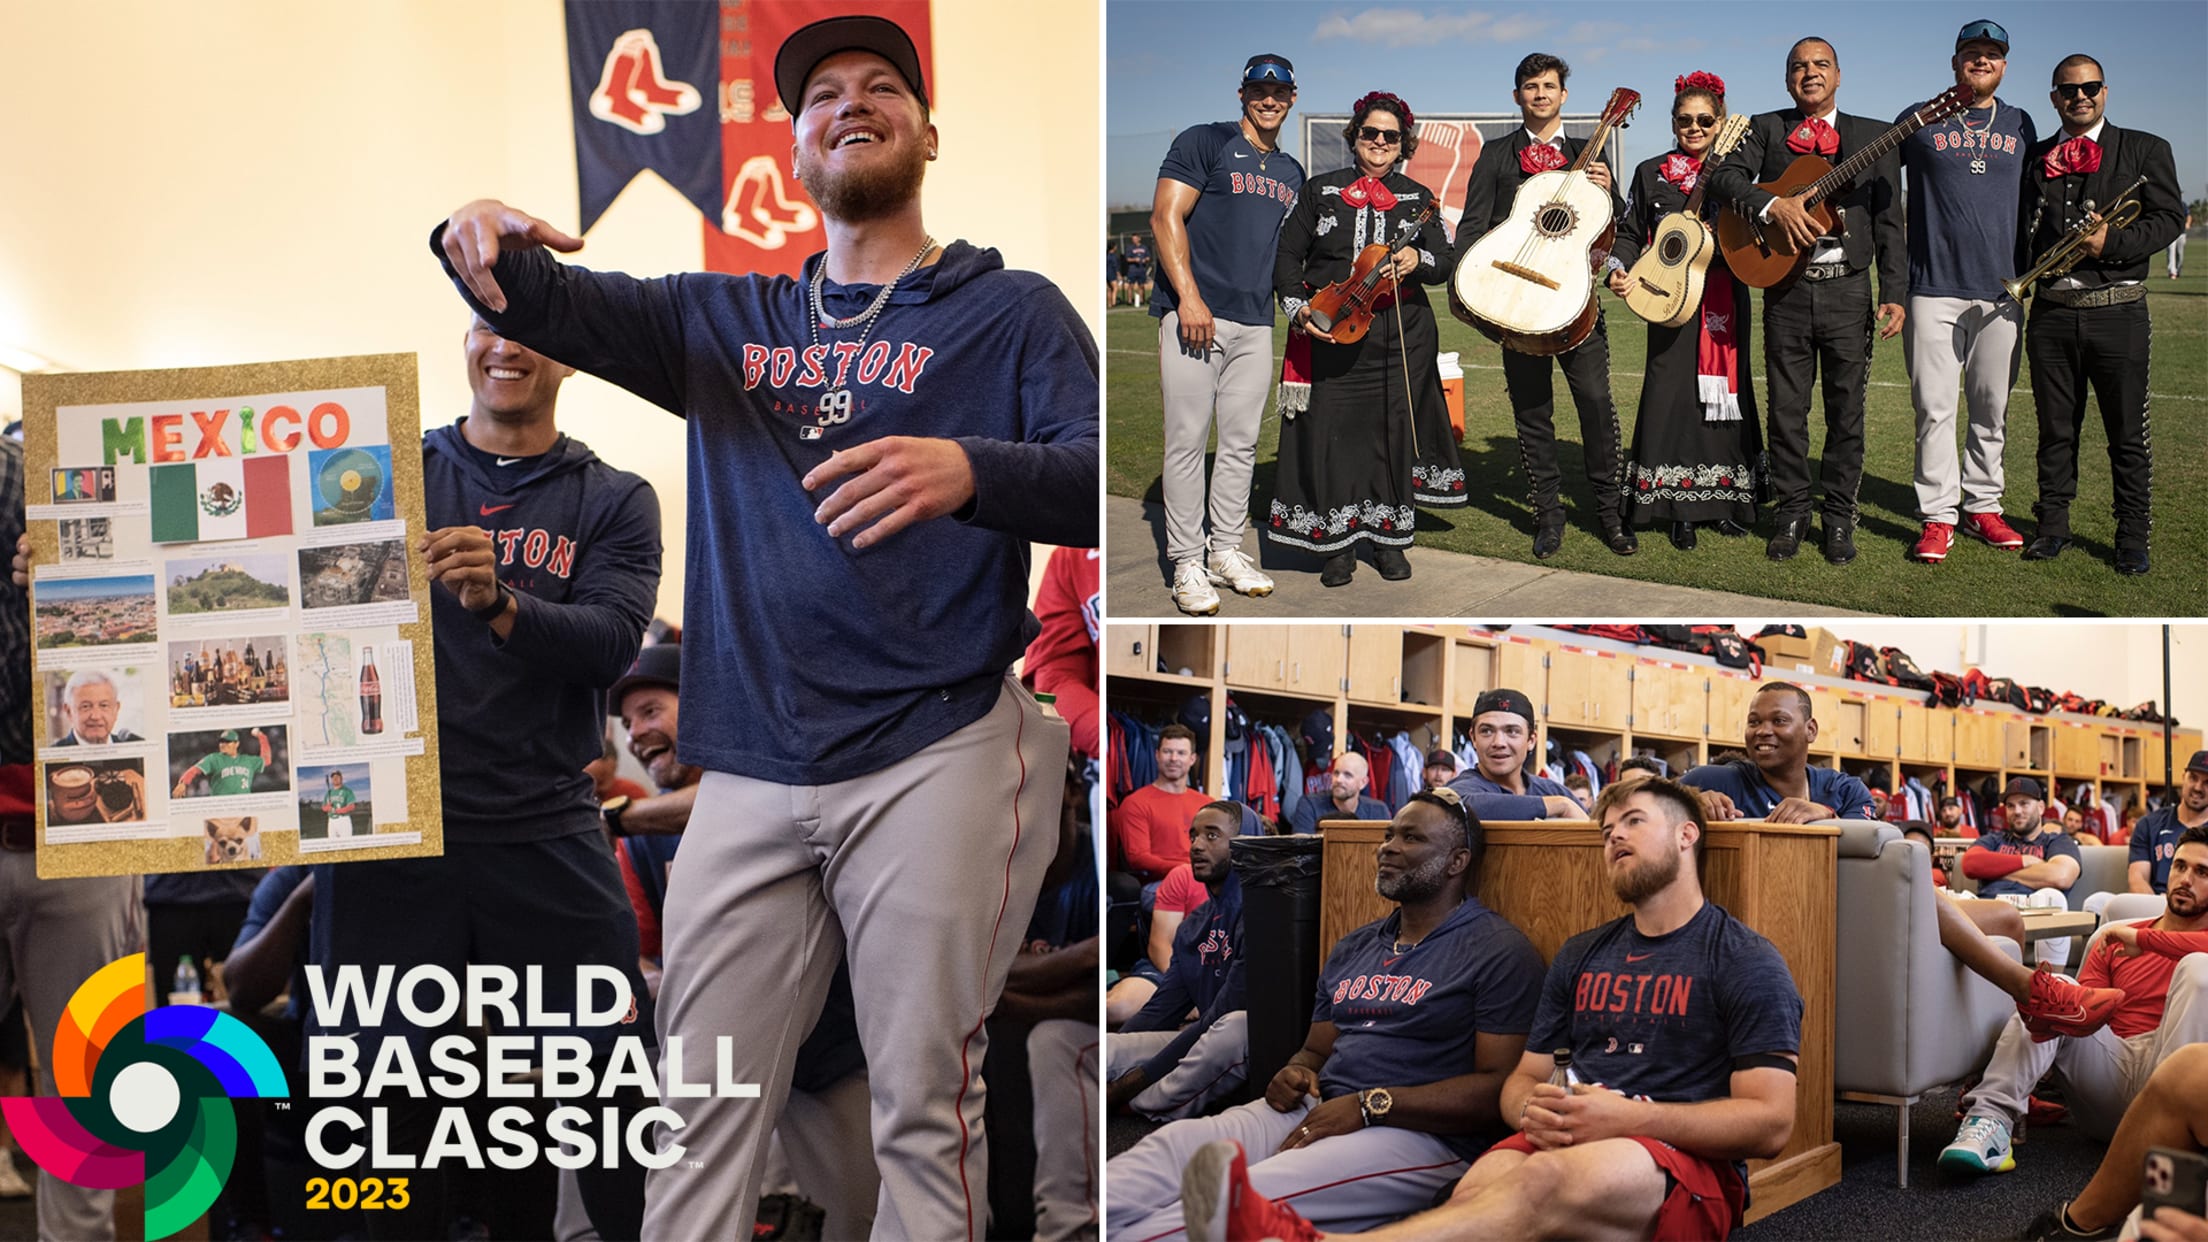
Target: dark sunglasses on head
(1984,30)
(1385,137)
(2071,90)
(1702,121)
(1268,71)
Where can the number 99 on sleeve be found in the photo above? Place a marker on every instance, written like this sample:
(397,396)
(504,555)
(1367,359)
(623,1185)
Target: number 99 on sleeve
(368,1194)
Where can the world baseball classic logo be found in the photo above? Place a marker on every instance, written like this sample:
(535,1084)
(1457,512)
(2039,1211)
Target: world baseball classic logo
(144,1096)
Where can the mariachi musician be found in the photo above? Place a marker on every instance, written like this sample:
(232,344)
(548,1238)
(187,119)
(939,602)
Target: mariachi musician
(1821,322)
(1365,434)
(1536,147)
(2090,324)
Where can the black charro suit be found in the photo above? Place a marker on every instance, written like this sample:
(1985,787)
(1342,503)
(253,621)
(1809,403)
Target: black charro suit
(2104,345)
(1496,176)
(1823,326)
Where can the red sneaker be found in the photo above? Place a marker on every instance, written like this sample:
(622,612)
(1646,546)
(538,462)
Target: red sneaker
(1932,546)
(1218,1204)
(2045,1112)
(2062,1006)
(1992,529)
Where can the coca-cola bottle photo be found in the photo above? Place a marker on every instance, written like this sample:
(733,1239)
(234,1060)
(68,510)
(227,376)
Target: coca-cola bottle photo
(371,694)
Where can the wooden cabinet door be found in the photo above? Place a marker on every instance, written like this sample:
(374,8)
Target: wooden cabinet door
(1881,728)
(2077,749)
(1670,701)
(1315,655)
(2016,744)
(1518,667)
(1589,690)
(1977,740)
(1130,649)
(1730,694)
(1376,663)
(1257,656)
(1836,731)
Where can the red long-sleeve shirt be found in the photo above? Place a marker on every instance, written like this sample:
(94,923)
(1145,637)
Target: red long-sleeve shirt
(1062,659)
(1151,827)
(2145,979)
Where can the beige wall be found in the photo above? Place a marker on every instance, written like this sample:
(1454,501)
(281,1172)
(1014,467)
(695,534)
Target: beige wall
(248,180)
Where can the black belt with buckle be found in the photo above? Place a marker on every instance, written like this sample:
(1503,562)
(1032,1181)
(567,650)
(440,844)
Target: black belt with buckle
(2105,295)
(19,834)
(1825,271)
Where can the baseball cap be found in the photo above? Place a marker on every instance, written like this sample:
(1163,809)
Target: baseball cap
(1513,701)
(2198,763)
(2024,786)
(1982,30)
(1268,67)
(1318,731)
(659,665)
(1440,757)
(229,735)
(799,54)
(1196,714)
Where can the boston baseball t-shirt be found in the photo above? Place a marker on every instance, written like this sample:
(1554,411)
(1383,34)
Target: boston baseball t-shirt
(1490,800)
(2050,842)
(1242,196)
(230,774)
(1413,1016)
(1963,179)
(2154,842)
(1667,1018)
(1743,782)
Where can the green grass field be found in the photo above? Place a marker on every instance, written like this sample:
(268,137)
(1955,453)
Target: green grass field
(1974,581)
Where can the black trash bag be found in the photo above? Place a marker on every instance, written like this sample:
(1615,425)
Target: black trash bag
(1280,944)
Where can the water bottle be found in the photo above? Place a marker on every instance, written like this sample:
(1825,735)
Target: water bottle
(1049,704)
(186,991)
(1563,1077)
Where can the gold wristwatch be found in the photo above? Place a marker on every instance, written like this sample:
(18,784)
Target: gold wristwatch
(1374,1103)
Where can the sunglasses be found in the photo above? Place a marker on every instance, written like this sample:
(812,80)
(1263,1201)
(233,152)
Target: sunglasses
(2071,90)
(1385,137)
(1703,121)
(1983,30)
(1269,71)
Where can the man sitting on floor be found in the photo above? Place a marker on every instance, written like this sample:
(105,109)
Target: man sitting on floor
(1684,1029)
(1419,1018)
(2164,1007)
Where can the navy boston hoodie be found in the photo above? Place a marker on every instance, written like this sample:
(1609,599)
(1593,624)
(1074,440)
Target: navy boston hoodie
(578,543)
(806,661)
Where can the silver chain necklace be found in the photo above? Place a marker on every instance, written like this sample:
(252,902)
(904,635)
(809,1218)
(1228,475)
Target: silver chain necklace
(1978,164)
(835,404)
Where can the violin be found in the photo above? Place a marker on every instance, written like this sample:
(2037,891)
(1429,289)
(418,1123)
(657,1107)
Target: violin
(1343,310)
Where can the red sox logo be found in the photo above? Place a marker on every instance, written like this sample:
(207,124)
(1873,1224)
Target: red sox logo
(634,92)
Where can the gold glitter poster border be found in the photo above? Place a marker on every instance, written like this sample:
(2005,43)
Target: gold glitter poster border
(398,375)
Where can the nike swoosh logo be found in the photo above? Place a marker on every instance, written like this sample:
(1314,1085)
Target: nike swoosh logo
(1642,958)
(488,510)
(508,461)
(1241,155)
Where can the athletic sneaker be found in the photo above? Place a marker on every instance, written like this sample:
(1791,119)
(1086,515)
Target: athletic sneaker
(1218,1204)
(2060,1005)
(1980,1146)
(1932,546)
(2053,1225)
(1992,529)
(1236,572)
(1192,591)
(12,1185)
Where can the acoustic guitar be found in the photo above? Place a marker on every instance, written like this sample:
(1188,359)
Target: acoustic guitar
(1760,253)
(1665,283)
(1530,282)
(1343,310)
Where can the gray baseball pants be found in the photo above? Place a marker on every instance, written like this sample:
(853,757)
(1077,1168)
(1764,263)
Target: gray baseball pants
(1212,1067)
(922,875)
(1061,1068)
(1951,342)
(1226,385)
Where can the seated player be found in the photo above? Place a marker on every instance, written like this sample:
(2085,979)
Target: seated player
(1441,767)
(1345,797)
(2171,1110)
(1178,896)
(2153,838)
(1776,782)
(2027,863)
(1160,1063)
(1504,785)
(1418,1019)
(1684,1029)
(2160,967)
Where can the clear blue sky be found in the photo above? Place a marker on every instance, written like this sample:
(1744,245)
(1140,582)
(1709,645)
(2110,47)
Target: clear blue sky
(1171,63)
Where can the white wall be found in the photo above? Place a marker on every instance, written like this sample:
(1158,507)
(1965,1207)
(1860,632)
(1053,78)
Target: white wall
(250,180)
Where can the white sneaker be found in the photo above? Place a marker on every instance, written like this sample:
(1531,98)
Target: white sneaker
(12,1185)
(1192,591)
(1981,1146)
(1236,572)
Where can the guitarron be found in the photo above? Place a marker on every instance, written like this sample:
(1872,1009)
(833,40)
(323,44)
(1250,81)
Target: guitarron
(1530,282)
(1665,284)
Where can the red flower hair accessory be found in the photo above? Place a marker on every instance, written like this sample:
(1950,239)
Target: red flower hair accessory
(1707,81)
(1380,97)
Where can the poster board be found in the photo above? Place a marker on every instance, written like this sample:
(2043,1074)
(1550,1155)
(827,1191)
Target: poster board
(231,653)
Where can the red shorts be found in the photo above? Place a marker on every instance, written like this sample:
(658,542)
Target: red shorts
(1703,1199)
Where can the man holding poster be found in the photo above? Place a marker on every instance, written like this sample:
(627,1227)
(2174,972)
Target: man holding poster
(871,449)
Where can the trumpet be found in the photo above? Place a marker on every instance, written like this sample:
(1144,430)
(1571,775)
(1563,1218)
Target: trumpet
(2066,253)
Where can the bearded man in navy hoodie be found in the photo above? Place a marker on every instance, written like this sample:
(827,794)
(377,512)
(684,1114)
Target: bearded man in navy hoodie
(544,562)
(871,448)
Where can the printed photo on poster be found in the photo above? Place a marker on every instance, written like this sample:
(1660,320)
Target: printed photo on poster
(237,582)
(233,839)
(95,791)
(93,706)
(351,484)
(346,574)
(84,485)
(220,763)
(335,800)
(228,672)
(96,612)
(87,539)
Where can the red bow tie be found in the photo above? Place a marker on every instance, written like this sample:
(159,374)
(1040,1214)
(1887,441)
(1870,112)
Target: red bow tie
(1814,137)
(1540,158)
(2079,155)
(1681,170)
(1366,190)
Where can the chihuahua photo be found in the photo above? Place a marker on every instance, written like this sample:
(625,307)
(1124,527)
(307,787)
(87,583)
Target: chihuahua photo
(232,840)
